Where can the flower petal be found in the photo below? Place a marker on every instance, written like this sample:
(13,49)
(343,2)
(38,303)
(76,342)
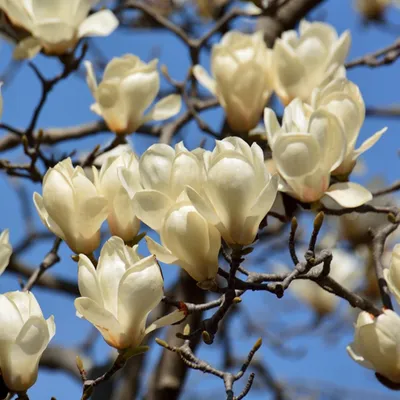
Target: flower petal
(367,144)
(205,79)
(101,23)
(165,108)
(348,194)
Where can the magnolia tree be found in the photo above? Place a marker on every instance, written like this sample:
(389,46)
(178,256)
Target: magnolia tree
(265,202)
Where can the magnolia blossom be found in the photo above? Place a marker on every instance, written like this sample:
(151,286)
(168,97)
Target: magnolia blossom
(376,344)
(71,207)
(5,250)
(308,146)
(302,62)
(345,269)
(372,9)
(392,275)
(121,215)
(164,173)
(238,191)
(128,88)
(187,239)
(240,64)
(56,26)
(24,335)
(343,99)
(119,294)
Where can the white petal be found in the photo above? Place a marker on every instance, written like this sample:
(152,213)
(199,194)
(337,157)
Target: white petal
(162,253)
(27,48)
(169,319)
(348,194)
(271,125)
(367,144)
(204,78)
(165,108)
(5,250)
(101,23)
(203,206)
(90,77)
(88,281)
(151,207)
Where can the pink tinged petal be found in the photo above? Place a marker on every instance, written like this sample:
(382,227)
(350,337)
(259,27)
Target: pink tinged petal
(205,79)
(161,252)
(151,207)
(101,23)
(348,194)
(170,319)
(140,291)
(367,144)
(27,48)
(19,360)
(272,126)
(103,320)
(87,280)
(165,108)
(326,128)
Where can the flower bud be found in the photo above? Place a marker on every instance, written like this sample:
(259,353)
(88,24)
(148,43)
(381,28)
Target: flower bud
(343,99)
(238,192)
(308,146)
(24,336)
(121,215)
(305,61)
(376,343)
(71,207)
(57,26)
(240,64)
(118,295)
(128,88)
(188,240)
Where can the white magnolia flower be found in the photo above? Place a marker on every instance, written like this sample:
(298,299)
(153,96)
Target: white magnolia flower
(377,344)
(303,62)
(373,9)
(120,293)
(306,149)
(71,207)
(164,174)
(238,190)
(240,64)
(345,269)
(343,99)
(187,239)
(128,88)
(5,250)
(56,26)
(392,274)
(24,335)
(121,218)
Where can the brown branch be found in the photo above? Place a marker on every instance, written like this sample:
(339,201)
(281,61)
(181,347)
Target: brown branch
(387,55)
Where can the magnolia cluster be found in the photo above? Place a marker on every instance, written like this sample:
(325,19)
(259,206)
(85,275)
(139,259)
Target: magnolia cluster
(191,198)
(376,342)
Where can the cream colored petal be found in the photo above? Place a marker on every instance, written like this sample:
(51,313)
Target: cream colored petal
(203,206)
(103,320)
(88,281)
(27,48)
(348,194)
(340,49)
(5,250)
(170,319)
(367,144)
(151,206)
(162,253)
(272,126)
(165,108)
(101,23)
(205,79)
(91,77)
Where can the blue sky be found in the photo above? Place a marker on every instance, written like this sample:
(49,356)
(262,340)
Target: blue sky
(325,360)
